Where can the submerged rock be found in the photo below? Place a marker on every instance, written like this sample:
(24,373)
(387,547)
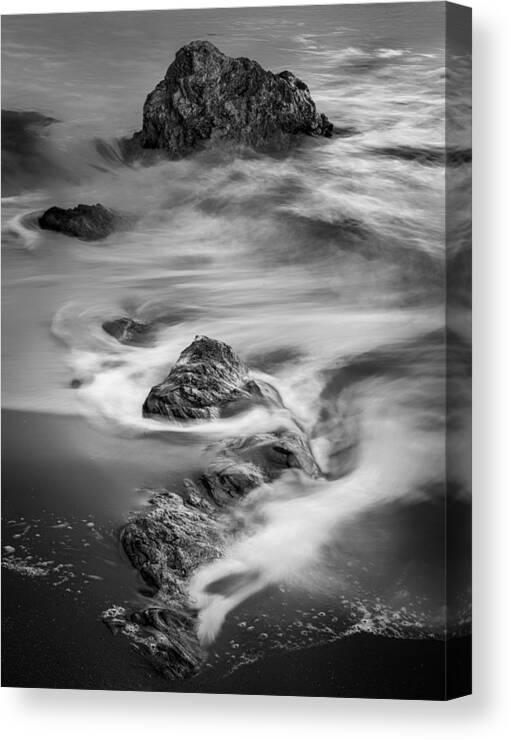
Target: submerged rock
(126,330)
(89,223)
(165,634)
(28,159)
(244,463)
(338,428)
(208,95)
(208,381)
(451,156)
(345,132)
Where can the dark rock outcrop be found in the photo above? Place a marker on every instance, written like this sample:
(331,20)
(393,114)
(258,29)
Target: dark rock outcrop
(168,541)
(165,543)
(208,95)
(241,464)
(208,381)
(127,331)
(169,634)
(89,223)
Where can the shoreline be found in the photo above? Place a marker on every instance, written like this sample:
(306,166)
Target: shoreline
(359,665)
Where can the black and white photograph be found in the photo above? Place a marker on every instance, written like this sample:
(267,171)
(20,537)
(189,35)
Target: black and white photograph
(237,350)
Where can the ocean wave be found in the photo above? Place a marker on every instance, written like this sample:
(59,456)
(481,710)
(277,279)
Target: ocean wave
(291,522)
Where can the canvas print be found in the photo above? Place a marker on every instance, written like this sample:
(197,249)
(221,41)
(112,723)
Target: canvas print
(236,343)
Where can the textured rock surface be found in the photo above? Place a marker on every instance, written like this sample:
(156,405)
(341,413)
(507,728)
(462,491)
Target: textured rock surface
(127,331)
(166,543)
(241,464)
(208,381)
(89,223)
(208,95)
(176,534)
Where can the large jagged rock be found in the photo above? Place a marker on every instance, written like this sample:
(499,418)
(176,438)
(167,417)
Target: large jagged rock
(89,223)
(208,95)
(208,381)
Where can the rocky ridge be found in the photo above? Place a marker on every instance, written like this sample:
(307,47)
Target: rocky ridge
(177,533)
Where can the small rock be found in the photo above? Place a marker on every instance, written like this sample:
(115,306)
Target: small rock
(89,223)
(126,330)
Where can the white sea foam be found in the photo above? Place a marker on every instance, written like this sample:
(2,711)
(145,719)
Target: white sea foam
(288,523)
